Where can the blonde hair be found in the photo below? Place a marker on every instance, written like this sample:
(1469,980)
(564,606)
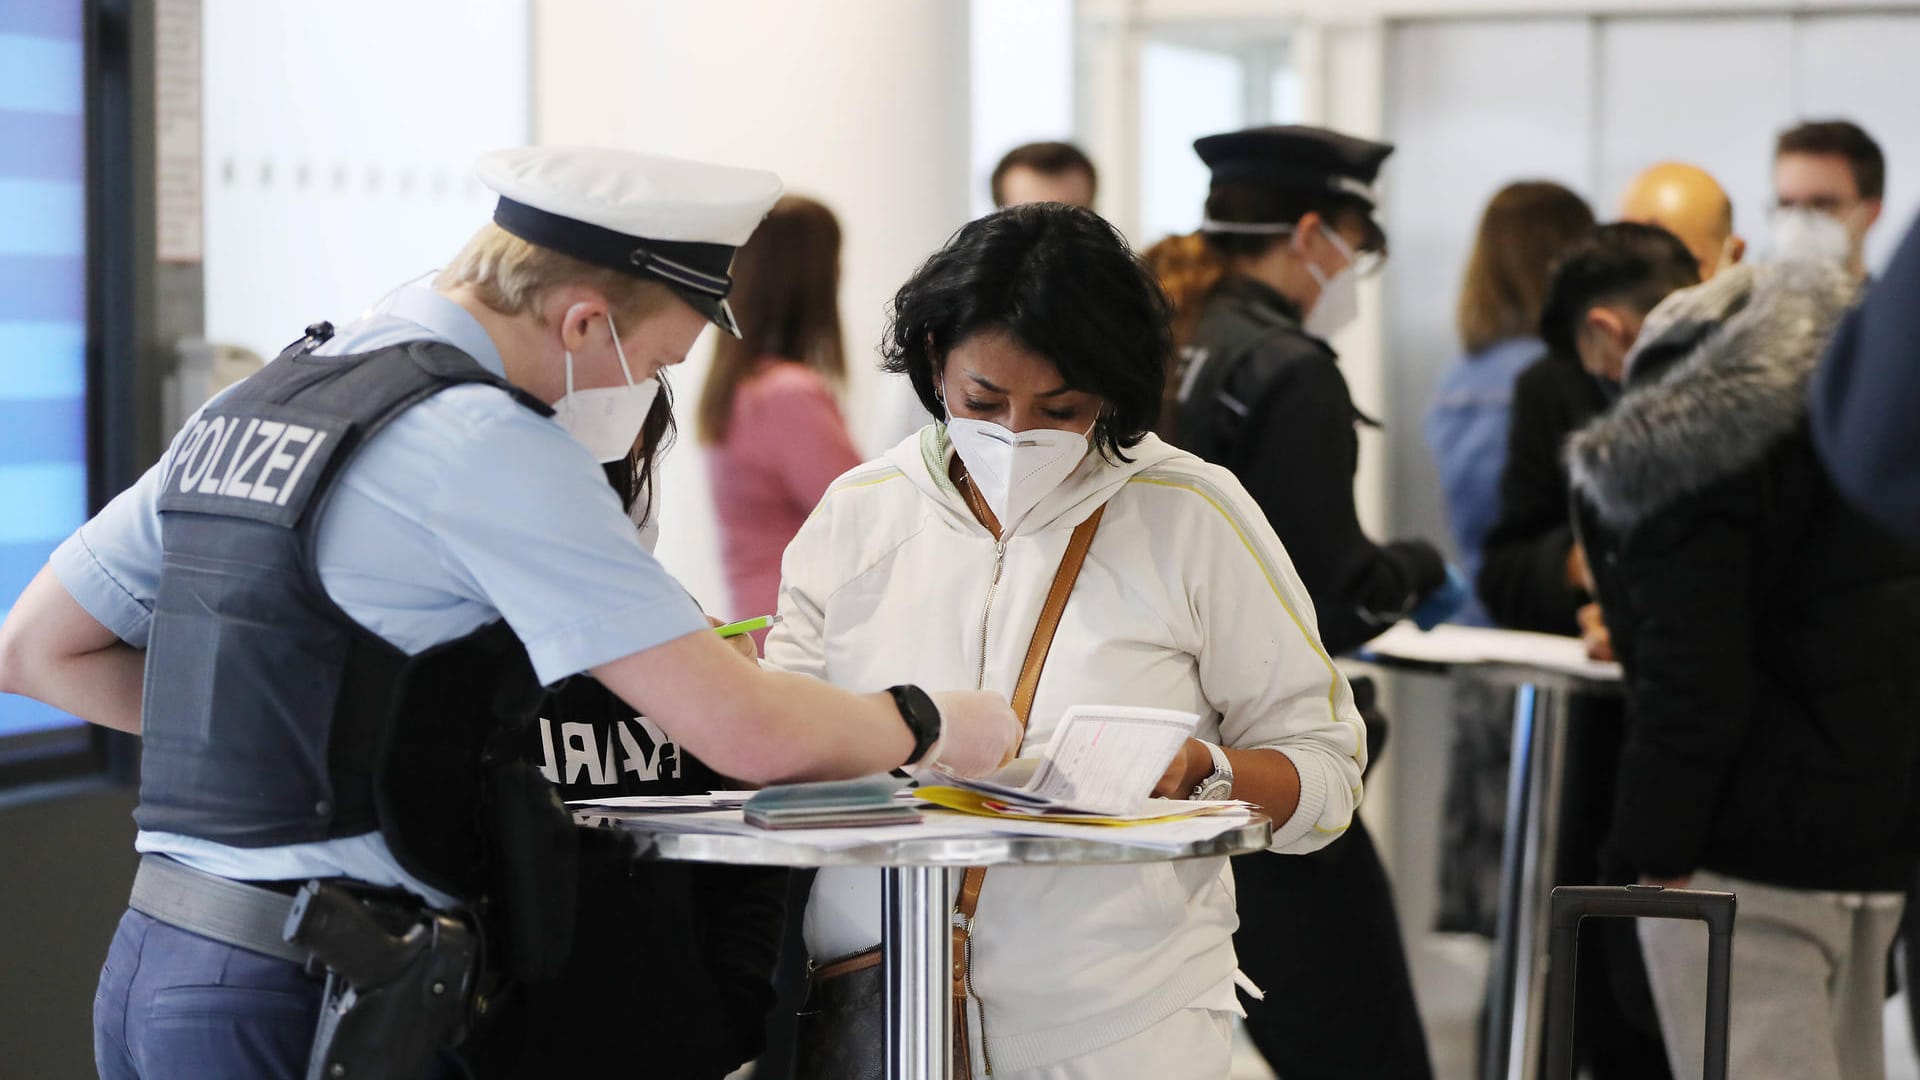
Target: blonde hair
(512,276)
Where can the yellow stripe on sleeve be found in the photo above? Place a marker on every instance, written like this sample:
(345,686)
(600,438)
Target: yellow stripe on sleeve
(1333,672)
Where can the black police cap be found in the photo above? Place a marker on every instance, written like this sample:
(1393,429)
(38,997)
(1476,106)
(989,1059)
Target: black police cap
(1296,156)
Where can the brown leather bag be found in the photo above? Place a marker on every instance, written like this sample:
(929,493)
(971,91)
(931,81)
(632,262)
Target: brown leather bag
(842,1027)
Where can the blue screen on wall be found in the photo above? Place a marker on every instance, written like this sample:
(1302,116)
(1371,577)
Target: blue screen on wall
(43,323)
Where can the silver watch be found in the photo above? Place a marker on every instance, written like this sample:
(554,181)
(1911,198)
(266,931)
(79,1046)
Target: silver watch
(1219,783)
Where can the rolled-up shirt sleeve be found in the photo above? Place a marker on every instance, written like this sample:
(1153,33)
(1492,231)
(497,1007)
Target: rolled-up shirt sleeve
(111,564)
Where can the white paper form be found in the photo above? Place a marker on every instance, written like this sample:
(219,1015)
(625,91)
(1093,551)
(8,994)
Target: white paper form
(1465,645)
(1104,759)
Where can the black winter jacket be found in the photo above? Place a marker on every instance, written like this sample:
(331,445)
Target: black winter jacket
(1268,401)
(1770,633)
(1523,564)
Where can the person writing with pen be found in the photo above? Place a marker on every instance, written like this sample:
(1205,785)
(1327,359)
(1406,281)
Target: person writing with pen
(718,928)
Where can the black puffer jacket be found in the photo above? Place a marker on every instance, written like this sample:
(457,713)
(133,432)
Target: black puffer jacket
(1771,634)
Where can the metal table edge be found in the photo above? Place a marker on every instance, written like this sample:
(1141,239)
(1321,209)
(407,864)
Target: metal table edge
(775,849)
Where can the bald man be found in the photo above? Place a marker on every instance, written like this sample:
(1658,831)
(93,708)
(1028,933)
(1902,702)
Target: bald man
(1689,203)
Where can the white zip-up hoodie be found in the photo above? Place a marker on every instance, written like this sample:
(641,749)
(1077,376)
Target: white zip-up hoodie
(1186,601)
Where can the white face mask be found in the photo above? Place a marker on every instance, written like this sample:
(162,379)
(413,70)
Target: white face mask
(1013,471)
(606,420)
(1810,236)
(1339,300)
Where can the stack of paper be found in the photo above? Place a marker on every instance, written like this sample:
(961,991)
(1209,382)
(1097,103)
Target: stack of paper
(1150,812)
(1102,763)
(1453,646)
(671,804)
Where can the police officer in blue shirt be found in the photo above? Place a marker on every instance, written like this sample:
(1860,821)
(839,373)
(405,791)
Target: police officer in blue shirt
(329,610)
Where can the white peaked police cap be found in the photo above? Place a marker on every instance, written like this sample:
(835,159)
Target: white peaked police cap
(674,221)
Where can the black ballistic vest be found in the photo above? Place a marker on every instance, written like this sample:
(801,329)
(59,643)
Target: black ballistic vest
(271,717)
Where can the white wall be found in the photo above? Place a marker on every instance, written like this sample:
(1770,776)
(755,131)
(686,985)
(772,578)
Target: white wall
(339,144)
(1021,82)
(859,103)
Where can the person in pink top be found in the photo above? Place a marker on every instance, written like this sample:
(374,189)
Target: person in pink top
(768,415)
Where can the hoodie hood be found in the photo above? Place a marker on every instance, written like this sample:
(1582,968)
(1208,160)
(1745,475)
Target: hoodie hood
(1718,378)
(926,456)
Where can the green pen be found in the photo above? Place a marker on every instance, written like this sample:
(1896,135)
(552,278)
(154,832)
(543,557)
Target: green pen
(746,626)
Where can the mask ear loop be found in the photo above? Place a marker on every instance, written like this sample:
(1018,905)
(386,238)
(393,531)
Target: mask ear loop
(1340,245)
(619,352)
(940,395)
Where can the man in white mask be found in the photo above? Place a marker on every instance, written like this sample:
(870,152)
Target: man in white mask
(1828,180)
(1290,231)
(351,574)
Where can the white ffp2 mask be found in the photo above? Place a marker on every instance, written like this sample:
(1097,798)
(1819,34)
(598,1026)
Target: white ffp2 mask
(608,419)
(1339,301)
(1013,471)
(1808,235)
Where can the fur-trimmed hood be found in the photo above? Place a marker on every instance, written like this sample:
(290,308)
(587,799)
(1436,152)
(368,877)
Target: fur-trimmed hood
(1718,377)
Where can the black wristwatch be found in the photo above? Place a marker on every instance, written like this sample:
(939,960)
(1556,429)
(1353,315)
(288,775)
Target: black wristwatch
(922,717)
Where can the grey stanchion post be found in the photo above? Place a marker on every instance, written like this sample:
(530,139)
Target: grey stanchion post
(1574,903)
(919,971)
(1529,859)
(1506,935)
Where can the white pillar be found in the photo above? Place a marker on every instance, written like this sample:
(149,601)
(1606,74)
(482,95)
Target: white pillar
(862,104)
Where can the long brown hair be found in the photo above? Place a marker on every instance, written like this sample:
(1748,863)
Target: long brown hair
(786,296)
(1526,227)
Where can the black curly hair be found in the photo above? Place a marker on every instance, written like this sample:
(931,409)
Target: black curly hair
(1063,283)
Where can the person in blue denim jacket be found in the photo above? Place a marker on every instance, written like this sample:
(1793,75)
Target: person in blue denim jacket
(1524,229)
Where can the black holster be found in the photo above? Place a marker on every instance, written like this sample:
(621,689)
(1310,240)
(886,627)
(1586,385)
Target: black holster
(399,980)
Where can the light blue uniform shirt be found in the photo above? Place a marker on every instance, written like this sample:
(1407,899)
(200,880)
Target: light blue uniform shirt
(466,509)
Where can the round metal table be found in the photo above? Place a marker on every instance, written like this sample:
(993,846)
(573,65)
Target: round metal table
(915,917)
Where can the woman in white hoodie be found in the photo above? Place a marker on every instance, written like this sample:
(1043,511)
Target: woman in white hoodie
(1039,320)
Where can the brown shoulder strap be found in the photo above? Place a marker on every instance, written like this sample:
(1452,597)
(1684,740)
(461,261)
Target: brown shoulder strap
(1063,579)
(1029,684)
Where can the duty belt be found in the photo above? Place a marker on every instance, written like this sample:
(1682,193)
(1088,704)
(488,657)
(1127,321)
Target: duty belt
(230,912)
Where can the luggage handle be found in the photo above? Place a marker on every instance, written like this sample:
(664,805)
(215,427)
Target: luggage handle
(1573,903)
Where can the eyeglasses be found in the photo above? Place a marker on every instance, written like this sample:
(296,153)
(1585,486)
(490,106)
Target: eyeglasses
(1365,262)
